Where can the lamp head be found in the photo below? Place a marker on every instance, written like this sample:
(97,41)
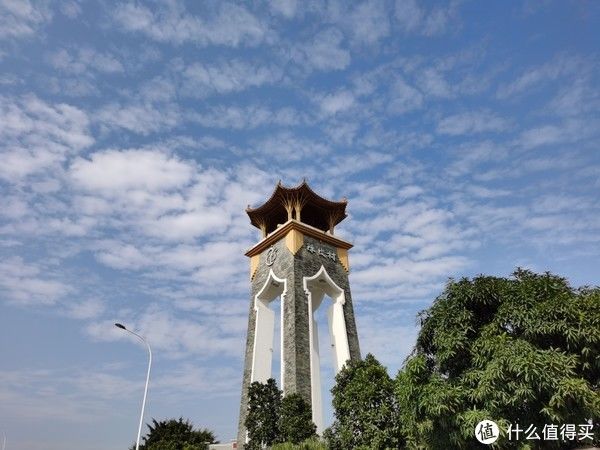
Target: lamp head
(121,326)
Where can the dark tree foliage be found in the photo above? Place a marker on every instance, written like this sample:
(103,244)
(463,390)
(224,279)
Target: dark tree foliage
(176,435)
(295,422)
(262,420)
(364,407)
(521,350)
(310,444)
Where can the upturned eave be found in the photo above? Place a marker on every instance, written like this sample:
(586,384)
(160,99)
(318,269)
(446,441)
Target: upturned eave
(303,228)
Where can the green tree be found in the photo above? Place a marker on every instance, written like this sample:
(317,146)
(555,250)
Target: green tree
(176,435)
(309,444)
(365,409)
(295,420)
(523,350)
(262,420)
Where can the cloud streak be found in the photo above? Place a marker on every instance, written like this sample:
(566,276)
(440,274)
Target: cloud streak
(230,25)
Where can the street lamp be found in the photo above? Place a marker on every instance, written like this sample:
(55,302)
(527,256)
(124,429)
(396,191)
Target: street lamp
(122,327)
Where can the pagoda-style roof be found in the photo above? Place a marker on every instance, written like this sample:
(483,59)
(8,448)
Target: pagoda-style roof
(300,203)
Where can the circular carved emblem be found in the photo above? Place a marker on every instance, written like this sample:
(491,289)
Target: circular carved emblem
(271,256)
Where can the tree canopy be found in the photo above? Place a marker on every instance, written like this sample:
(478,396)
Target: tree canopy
(364,407)
(295,420)
(309,444)
(272,419)
(522,350)
(175,434)
(262,420)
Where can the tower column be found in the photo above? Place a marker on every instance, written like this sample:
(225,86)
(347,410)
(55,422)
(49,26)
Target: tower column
(308,268)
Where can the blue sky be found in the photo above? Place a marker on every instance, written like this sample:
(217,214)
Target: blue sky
(133,135)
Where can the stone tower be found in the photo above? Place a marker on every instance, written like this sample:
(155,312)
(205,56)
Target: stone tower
(300,260)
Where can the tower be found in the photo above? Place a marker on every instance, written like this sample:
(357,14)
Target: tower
(300,260)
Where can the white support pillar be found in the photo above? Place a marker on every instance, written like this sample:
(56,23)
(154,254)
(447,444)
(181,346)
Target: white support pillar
(262,361)
(316,287)
(339,338)
(315,373)
(264,329)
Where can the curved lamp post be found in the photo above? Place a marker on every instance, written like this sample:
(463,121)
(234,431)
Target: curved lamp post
(118,325)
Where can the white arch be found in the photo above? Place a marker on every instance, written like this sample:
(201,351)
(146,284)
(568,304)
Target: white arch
(264,328)
(316,287)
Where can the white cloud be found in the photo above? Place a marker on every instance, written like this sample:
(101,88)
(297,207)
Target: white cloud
(406,270)
(470,156)
(141,118)
(119,255)
(287,8)
(567,131)
(433,84)
(324,52)
(179,226)
(576,98)
(87,393)
(174,335)
(20,18)
(413,18)
(365,197)
(34,394)
(408,244)
(342,131)
(230,24)
(158,89)
(409,15)
(542,74)
(71,9)
(80,60)
(13,207)
(116,171)
(61,122)
(403,97)
(544,135)
(188,379)
(29,284)
(73,87)
(227,76)
(163,198)
(547,222)
(238,118)
(364,23)
(285,146)
(486,193)
(439,19)
(85,309)
(36,136)
(338,102)
(471,123)
(368,22)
